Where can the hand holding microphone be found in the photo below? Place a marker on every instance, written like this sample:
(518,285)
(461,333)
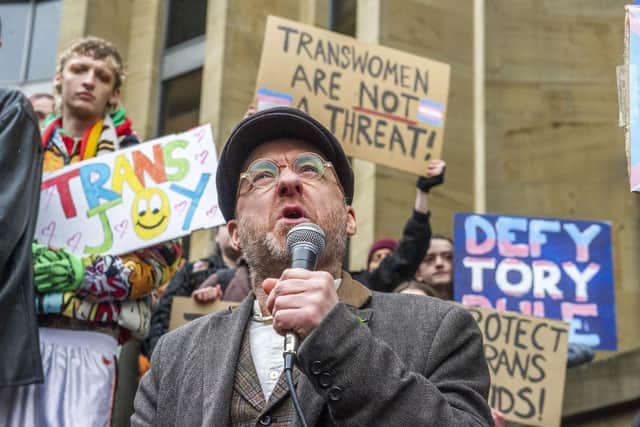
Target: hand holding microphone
(301,298)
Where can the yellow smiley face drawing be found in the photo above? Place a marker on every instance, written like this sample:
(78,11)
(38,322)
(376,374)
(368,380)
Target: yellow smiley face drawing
(150,213)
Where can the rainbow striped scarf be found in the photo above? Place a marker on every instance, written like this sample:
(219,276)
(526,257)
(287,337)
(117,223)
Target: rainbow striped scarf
(103,136)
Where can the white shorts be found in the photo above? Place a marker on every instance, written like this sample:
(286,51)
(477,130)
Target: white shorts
(79,383)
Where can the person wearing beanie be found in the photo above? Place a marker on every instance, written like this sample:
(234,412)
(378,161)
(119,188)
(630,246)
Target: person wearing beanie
(364,358)
(379,251)
(391,263)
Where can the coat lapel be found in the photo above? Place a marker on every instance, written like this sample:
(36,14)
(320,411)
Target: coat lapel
(221,356)
(352,292)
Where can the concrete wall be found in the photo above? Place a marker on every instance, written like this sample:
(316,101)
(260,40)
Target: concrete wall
(605,393)
(553,145)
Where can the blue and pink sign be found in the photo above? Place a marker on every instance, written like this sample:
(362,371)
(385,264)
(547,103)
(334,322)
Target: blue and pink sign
(554,268)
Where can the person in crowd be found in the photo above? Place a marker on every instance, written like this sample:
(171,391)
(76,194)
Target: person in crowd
(436,269)
(20,173)
(86,305)
(229,284)
(189,279)
(390,263)
(379,251)
(43,105)
(365,358)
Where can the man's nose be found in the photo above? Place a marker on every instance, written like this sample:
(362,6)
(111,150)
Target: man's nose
(89,78)
(289,183)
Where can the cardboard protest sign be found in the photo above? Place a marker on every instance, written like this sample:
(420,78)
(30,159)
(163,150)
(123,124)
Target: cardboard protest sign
(384,105)
(132,198)
(185,309)
(527,358)
(554,268)
(632,107)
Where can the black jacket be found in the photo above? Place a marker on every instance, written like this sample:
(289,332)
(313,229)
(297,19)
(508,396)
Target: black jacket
(20,175)
(183,284)
(401,265)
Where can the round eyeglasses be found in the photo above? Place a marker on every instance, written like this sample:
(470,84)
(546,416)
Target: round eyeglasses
(264,173)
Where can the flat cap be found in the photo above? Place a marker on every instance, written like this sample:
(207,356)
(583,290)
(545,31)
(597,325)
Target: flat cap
(268,125)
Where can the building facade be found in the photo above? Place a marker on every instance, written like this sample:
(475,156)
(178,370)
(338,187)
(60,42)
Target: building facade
(531,125)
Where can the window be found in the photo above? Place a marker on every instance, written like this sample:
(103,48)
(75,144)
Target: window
(30,31)
(188,20)
(181,102)
(182,64)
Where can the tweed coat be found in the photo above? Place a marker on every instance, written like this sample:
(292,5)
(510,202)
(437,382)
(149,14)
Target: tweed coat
(376,359)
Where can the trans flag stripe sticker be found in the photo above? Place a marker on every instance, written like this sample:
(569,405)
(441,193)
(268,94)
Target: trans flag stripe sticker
(270,99)
(430,112)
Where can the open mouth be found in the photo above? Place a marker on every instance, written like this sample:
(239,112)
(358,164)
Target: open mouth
(293,212)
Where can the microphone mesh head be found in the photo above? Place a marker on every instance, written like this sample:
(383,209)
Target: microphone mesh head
(307,233)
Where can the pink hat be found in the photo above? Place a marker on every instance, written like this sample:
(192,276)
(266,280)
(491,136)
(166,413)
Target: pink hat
(382,244)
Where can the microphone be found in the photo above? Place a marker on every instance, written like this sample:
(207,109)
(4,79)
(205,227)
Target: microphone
(305,243)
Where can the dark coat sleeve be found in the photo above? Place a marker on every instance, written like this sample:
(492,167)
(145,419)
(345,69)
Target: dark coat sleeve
(401,265)
(365,381)
(20,174)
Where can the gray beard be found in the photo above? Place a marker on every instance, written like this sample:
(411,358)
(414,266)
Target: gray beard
(267,254)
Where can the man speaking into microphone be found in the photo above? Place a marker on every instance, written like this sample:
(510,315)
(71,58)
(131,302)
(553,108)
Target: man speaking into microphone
(364,358)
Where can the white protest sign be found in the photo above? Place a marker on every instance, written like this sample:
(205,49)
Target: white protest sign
(132,198)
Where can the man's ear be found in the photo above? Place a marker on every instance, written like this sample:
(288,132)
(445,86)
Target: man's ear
(232,228)
(57,83)
(115,97)
(351,221)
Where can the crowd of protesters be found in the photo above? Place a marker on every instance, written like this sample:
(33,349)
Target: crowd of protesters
(62,364)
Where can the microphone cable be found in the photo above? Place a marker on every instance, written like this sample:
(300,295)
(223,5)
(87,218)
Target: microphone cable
(289,358)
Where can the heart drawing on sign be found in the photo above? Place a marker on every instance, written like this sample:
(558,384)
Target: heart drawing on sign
(122,227)
(74,241)
(94,177)
(180,207)
(212,210)
(202,157)
(200,134)
(49,230)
